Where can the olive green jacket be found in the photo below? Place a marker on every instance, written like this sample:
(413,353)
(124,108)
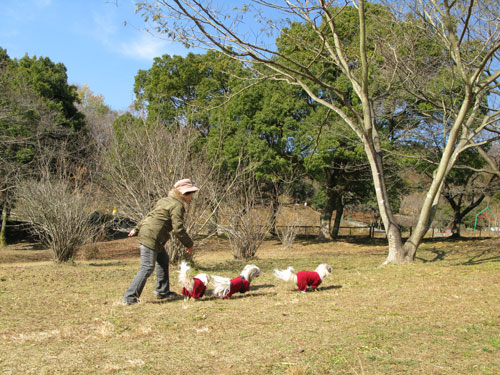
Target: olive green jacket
(167,216)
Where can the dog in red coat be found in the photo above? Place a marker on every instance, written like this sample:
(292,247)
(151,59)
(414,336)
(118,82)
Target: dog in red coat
(192,287)
(225,287)
(304,279)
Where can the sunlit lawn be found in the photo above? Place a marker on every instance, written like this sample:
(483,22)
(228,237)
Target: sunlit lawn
(440,315)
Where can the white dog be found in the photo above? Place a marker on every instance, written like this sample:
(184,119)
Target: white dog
(225,288)
(192,287)
(303,279)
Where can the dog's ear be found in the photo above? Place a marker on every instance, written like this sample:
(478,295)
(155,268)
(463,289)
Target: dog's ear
(255,272)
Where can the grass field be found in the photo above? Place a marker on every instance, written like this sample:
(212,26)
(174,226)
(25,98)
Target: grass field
(440,315)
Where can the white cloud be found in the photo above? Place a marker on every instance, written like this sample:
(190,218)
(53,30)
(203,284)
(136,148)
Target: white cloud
(120,31)
(105,28)
(120,36)
(144,47)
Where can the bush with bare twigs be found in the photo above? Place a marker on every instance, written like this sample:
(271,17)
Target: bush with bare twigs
(287,235)
(287,232)
(60,214)
(145,160)
(246,231)
(247,222)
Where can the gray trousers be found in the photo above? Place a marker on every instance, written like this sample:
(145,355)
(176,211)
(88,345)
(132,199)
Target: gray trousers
(148,259)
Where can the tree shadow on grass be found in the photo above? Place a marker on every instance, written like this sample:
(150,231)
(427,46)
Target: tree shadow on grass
(367,241)
(362,240)
(476,259)
(439,255)
(469,251)
(356,240)
(107,264)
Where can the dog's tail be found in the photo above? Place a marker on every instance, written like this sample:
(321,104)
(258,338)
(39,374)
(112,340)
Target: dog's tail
(287,275)
(222,286)
(185,279)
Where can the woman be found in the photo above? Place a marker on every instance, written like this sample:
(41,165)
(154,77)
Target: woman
(153,232)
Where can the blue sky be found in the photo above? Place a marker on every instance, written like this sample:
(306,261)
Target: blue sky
(100,42)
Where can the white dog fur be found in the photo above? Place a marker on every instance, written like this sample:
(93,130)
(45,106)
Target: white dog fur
(187,281)
(222,285)
(289,275)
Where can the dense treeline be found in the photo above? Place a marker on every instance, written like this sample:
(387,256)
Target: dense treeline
(46,151)
(319,122)
(421,73)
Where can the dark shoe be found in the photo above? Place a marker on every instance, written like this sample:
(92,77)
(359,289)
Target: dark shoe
(169,294)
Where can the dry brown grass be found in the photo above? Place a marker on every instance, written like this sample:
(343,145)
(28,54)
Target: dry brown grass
(437,316)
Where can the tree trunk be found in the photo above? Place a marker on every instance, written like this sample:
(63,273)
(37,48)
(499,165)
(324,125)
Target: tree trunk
(397,253)
(424,221)
(3,230)
(373,148)
(326,213)
(448,159)
(339,208)
(455,225)
(274,214)
(459,214)
(456,220)
(324,224)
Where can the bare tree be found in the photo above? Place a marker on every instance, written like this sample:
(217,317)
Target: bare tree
(99,117)
(246,220)
(463,106)
(288,229)
(60,213)
(31,133)
(466,193)
(144,161)
(142,165)
(458,25)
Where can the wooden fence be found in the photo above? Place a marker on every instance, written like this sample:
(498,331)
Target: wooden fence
(372,232)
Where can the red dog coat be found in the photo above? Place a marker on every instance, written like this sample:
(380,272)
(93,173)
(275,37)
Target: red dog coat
(308,278)
(238,284)
(198,289)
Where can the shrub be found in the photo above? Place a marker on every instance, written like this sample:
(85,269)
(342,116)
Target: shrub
(246,221)
(288,232)
(90,251)
(246,231)
(58,213)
